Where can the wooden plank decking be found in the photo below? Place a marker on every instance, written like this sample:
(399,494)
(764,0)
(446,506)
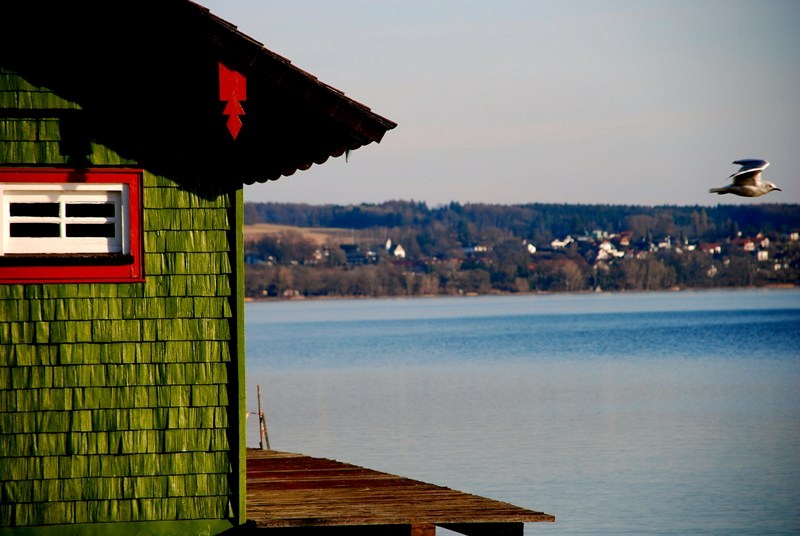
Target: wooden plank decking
(293,491)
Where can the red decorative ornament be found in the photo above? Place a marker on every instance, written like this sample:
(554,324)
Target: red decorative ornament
(233,91)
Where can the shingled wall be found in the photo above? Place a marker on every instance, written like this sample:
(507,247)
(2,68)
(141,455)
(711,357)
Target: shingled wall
(114,398)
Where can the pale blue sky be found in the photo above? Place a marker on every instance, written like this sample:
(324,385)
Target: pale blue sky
(555,101)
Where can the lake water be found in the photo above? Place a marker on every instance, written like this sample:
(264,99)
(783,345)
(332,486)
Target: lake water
(651,413)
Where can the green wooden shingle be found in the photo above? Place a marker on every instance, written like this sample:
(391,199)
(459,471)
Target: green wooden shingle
(114,397)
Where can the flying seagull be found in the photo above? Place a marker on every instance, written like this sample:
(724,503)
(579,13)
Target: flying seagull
(747,181)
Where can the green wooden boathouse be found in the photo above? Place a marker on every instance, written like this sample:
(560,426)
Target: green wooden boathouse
(127,132)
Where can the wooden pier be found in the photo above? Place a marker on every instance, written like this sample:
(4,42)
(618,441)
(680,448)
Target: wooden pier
(295,494)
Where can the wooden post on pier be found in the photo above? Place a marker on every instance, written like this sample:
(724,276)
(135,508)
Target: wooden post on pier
(262,423)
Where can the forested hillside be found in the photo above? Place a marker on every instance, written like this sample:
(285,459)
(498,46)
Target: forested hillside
(481,248)
(537,221)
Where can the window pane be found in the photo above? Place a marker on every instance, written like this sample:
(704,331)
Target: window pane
(91,230)
(34,230)
(39,210)
(90,210)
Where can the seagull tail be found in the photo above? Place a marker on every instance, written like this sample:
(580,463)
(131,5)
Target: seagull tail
(717,191)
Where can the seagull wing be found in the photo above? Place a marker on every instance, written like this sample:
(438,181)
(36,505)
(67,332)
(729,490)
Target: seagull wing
(750,172)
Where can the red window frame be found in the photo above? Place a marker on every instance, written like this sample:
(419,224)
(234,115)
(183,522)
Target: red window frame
(59,268)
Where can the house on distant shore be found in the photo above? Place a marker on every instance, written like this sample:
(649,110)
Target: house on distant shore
(354,255)
(559,243)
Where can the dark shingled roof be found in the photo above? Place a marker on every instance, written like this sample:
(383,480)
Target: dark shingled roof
(145,74)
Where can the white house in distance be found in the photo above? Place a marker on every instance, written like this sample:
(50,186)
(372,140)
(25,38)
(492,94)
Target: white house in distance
(398,251)
(558,244)
(607,250)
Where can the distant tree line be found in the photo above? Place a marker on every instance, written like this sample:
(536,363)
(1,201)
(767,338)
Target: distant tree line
(482,248)
(538,221)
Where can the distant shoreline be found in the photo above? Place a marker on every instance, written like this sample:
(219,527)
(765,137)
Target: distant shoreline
(775,286)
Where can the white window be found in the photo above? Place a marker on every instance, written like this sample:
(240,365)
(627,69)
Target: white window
(70,225)
(38,218)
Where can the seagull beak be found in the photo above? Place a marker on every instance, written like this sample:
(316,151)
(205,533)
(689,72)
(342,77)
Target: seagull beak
(778,189)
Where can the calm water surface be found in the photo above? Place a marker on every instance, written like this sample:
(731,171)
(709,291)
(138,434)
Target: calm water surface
(656,413)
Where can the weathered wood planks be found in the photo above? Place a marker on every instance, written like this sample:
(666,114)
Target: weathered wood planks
(292,490)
